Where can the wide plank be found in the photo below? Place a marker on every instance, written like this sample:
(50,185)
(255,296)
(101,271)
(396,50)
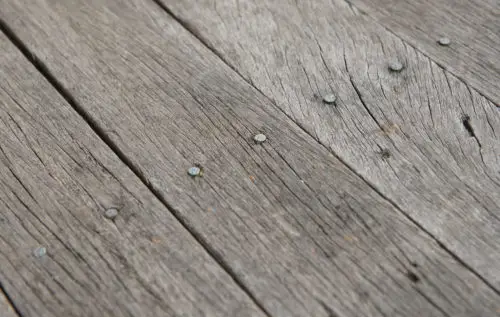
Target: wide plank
(422,137)
(472,26)
(57,179)
(302,233)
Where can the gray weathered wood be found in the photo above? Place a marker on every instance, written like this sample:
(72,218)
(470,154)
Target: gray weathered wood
(56,181)
(6,309)
(473,27)
(405,133)
(294,225)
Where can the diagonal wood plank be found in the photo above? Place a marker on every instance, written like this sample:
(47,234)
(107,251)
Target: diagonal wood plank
(297,228)
(472,26)
(57,179)
(421,136)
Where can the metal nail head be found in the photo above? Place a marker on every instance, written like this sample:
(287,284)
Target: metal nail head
(444,41)
(111,213)
(395,66)
(39,252)
(194,171)
(260,138)
(329,99)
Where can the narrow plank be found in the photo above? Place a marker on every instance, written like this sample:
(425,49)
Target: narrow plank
(473,28)
(6,309)
(57,179)
(422,137)
(294,225)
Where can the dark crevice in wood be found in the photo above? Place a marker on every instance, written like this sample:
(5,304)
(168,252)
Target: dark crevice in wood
(101,133)
(192,30)
(358,92)
(9,300)
(468,126)
(470,129)
(385,154)
(413,277)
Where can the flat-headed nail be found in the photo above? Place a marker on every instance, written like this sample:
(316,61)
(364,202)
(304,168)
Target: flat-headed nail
(444,41)
(260,138)
(395,66)
(111,213)
(329,99)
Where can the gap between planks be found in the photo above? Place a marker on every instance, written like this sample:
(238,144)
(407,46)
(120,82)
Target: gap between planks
(186,25)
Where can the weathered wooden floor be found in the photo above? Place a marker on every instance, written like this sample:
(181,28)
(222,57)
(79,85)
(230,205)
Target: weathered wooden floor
(385,202)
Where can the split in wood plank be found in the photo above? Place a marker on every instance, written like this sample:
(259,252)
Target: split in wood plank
(420,136)
(57,179)
(297,228)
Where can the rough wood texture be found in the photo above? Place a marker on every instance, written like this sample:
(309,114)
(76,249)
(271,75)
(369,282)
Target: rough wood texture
(297,228)
(473,26)
(421,137)
(56,181)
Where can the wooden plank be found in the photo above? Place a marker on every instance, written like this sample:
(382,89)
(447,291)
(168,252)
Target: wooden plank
(422,137)
(294,225)
(6,308)
(473,28)
(57,179)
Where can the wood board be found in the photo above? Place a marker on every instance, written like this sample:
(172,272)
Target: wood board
(57,179)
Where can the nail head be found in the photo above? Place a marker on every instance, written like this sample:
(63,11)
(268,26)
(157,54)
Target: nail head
(329,98)
(444,41)
(260,138)
(194,171)
(395,66)
(39,252)
(111,213)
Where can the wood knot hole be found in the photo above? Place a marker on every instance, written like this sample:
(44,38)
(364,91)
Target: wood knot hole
(467,125)
(413,277)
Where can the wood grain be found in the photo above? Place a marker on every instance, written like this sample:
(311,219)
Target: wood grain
(473,27)
(292,224)
(56,181)
(422,137)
